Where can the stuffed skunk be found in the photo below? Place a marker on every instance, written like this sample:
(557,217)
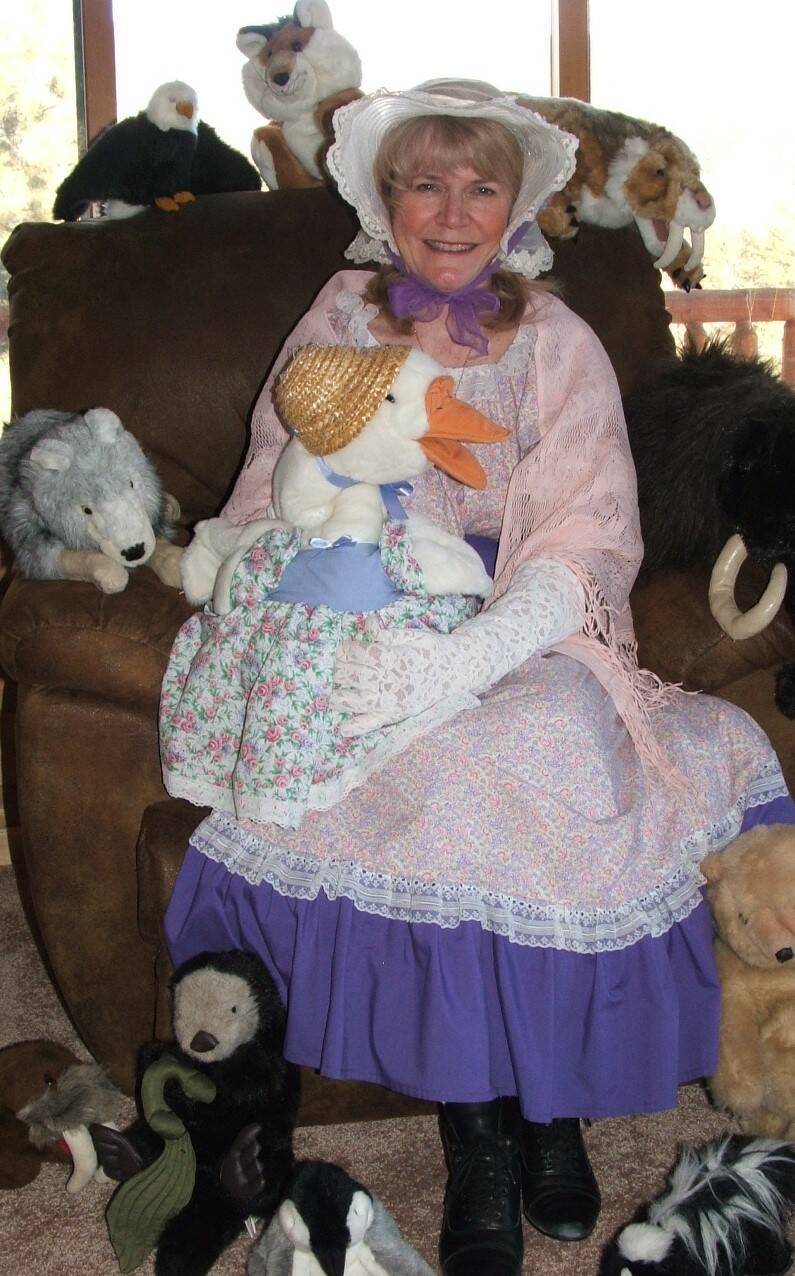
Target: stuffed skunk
(329,1225)
(725,1213)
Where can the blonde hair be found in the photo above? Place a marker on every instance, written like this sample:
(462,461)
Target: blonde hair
(444,143)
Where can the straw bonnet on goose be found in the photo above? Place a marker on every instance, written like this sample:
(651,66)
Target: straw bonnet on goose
(363,422)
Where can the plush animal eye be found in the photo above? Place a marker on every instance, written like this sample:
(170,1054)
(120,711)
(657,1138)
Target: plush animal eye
(233,1010)
(661,172)
(87,509)
(49,1079)
(390,398)
(297,46)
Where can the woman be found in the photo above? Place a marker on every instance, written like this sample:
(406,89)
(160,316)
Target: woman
(507,918)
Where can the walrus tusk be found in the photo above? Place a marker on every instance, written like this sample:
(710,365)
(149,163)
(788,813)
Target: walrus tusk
(676,234)
(697,240)
(735,623)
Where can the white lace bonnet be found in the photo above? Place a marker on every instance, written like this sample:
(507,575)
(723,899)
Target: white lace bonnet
(361,126)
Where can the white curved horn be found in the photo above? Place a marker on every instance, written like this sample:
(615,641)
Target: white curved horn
(676,234)
(84,1156)
(697,240)
(735,623)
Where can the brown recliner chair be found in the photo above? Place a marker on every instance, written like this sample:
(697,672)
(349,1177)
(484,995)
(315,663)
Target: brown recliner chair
(172,321)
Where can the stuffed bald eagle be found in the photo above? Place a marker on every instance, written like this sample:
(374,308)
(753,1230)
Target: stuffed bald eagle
(163,156)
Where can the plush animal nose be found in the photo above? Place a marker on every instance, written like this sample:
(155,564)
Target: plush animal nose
(134,552)
(703,199)
(281,78)
(784,954)
(203,1042)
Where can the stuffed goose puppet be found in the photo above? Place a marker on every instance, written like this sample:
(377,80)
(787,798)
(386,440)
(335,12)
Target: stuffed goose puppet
(329,1225)
(338,475)
(248,722)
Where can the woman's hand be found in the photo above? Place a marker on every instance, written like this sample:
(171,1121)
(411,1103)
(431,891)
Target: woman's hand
(392,678)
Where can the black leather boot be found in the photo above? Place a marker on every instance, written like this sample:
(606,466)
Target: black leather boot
(560,1195)
(482,1223)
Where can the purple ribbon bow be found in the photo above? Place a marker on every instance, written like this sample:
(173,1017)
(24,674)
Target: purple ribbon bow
(412,298)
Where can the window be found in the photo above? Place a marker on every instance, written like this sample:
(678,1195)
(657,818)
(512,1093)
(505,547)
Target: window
(510,48)
(719,76)
(38,128)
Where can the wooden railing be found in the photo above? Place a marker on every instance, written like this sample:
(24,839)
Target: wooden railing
(743,307)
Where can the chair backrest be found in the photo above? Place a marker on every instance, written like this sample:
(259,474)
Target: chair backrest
(173,320)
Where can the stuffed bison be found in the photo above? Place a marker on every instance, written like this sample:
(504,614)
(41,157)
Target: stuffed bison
(713,437)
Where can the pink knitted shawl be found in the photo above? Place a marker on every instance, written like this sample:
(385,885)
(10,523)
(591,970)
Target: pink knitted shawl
(572,497)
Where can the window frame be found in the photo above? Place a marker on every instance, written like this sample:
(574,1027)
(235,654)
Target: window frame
(95,68)
(95,61)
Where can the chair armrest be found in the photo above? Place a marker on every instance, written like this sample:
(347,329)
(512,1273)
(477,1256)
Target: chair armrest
(679,639)
(69,636)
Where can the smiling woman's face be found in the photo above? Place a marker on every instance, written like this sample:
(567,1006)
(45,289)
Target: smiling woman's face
(449,186)
(448,226)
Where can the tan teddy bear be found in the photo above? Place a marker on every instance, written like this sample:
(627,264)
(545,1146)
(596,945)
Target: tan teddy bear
(751,891)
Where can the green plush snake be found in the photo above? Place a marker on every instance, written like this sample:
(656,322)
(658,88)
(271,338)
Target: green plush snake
(141,1207)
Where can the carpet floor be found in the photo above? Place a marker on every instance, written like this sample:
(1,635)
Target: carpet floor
(46,1232)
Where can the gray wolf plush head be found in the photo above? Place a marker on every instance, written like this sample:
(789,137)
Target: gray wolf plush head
(83,480)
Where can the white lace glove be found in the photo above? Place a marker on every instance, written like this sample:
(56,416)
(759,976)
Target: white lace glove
(405,671)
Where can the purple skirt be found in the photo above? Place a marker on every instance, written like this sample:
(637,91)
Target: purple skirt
(462,1014)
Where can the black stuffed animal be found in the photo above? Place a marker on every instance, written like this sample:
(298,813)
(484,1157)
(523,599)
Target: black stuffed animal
(229,1027)
(726,1212)
(713,439)
(162,156)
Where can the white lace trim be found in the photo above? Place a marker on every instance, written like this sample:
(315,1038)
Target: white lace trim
(531,258)
(265,809)
(360,314)
(530,262)
(360,127)
(364,249)
(404,672)
(447,904)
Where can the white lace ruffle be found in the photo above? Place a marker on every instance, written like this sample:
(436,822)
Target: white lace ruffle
(322,795)
(531,258)
(355,328)
(360,127)
(364,249)
(447,904)
(530,262)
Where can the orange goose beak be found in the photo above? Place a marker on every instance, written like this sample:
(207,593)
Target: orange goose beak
(452,423)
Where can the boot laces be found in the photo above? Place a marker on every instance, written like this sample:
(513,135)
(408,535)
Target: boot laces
(484,1179)
(557,1148)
